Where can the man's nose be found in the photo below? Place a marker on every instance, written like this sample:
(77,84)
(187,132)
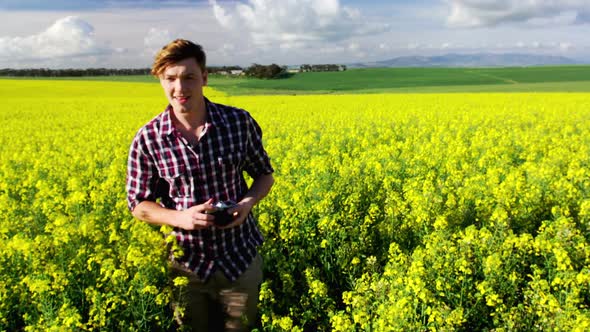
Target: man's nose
(179,84)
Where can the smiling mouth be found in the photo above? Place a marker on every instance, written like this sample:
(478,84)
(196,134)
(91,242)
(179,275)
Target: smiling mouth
(182,99)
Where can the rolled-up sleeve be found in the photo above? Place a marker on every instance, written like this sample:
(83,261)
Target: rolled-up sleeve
(140,184)
(257,160)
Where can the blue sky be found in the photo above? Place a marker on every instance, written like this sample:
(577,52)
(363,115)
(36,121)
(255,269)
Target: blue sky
(116,34)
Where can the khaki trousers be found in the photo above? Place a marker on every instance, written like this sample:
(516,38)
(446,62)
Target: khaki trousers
(219,304)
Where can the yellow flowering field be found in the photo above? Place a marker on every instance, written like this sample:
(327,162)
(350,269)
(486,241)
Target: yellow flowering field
(390,212)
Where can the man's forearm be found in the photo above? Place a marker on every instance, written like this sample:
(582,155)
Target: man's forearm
(153,213)
(259,189)
(195,217)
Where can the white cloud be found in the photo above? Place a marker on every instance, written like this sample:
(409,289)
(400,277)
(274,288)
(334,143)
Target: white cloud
(220,14)
(354,46)
(67,37)
(294,23)
(565,46)
(477,13)
(156,39)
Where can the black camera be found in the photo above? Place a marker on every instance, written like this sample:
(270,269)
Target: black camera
(222,216)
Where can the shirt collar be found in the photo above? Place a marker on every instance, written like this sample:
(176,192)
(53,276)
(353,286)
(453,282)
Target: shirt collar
(166,126)
(215,114)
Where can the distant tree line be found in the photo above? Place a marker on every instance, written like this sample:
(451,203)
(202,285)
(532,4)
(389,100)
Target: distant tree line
(44,72)
(266,71)
(256,70)
(324,67)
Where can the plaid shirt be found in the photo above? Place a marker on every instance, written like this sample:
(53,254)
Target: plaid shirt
(162,165)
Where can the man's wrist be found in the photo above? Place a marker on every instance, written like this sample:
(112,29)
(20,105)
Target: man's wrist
(249,201)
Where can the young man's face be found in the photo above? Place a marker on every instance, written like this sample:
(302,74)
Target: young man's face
(183,85)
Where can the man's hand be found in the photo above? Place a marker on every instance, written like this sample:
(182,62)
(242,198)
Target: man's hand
(259,189)
(195,217)
(239,212)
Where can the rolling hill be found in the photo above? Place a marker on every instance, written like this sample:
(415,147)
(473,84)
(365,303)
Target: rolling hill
(470,60)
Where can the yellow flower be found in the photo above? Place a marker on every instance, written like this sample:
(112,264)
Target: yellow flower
(180,281)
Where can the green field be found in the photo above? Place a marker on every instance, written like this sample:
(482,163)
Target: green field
(521,79)
(402,80)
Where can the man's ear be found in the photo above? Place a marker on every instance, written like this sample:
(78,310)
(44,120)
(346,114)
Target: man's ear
(205,77)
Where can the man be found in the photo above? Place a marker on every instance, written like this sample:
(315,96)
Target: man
(180,164)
